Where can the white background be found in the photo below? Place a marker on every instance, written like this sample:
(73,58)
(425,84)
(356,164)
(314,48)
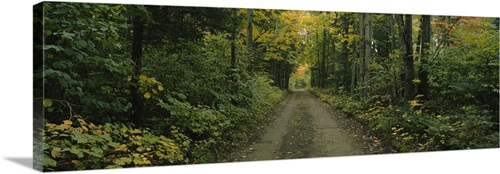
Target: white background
(16,94)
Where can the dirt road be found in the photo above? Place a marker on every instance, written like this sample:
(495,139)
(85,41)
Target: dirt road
(305,128)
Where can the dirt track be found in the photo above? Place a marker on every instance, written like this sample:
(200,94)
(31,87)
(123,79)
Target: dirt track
(305,128)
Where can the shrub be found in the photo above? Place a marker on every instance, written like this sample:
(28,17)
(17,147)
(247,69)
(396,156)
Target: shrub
(81,145)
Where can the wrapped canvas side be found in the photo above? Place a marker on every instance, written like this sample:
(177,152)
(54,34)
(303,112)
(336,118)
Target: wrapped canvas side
(38,111)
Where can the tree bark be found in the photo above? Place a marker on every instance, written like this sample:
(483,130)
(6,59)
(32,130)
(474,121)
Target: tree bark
(249,41)
(323,60)
(361,67)
(368,26)
(345,55)
(137,99)
(423,73)
(233,40)
(366,35)
(405,31)
(354,67)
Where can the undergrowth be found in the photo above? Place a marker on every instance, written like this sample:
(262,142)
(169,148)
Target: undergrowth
(419,126)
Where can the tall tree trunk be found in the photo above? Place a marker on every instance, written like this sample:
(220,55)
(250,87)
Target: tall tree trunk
(318,52)
(405,30)
(233,39)
(423,73)
(353,77)
(395,81)
(249,41)
(355,61)
(288,72)
(323,60)
(345,55)
(361,67)
(137,99)
(368,35)
(331,61)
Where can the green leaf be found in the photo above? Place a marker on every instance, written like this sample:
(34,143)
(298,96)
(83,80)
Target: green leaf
(67,35)
(77,151)
(113,144)
(47,160)
(107,138)
(79,137)
(55,47)
(82,43)
(113,167)
(97,151)
(123,161)
(47,103)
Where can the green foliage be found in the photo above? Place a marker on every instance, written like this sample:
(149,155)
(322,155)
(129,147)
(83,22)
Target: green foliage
(83,145)
(85,58)
(408,129)
(197,107)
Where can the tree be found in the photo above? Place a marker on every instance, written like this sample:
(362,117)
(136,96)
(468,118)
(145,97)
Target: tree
(137,100)
(425,28)
(405,24)
(249,41)
(365,42)
(233,38)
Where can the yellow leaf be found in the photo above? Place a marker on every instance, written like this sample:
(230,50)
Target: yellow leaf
(124,130)
(85,128)
(92,126)
(81,121)
(147,95)
(154,91)
(56,152)
(137,131)
(121,147)
(160,87)
(151,80)
(62,127)
(50,126)
(142,78)
(416,81)
(67,122)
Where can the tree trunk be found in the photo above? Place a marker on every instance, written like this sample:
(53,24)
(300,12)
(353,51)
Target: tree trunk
(368,26)
(405,30)
(137,99)
(423,73)
(323,60)
(355,61)
(233,40)
(395,81)
(249,41)
(345,54)
(361,49)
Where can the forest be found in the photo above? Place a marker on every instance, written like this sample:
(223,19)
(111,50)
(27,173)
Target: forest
(119,86)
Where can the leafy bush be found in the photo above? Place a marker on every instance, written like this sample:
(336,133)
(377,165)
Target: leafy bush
(412,127)
(81,145)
